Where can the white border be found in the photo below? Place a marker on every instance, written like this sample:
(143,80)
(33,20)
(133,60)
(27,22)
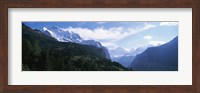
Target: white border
(181,77)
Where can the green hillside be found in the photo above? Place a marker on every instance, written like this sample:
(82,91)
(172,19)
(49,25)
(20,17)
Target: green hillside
(44,53)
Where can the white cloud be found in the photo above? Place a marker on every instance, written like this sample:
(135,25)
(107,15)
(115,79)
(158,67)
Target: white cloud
(127,49)
(108,35)
(156,43)
(147,26)
(100,33)
(148,37)
(168,23)
(109,45)
(101,22)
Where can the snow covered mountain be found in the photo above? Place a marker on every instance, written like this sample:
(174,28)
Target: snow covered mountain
(136,51)
(62,36)
(117,53)
(123,56)
(67,36)
(126,59)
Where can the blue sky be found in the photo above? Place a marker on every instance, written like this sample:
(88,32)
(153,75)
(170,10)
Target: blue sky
(127,35)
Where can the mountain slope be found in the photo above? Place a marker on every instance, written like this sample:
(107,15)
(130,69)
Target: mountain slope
(161,58)
(41,52)
(62,36)
(126,59)
(67,36)
(117,53)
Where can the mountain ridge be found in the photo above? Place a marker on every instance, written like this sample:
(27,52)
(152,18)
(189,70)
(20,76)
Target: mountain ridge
(44,53)
(67,36)
(160,58)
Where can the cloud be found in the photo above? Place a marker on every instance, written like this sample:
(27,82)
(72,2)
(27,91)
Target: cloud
(144,28)
(148,37)
(147,26)
(101,22)
(100,33)
(108,35)
(156,43)
(127,49)
(109,45)
(168,23)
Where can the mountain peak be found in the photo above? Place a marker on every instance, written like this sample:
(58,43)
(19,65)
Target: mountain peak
(54,27)
(44,28)
(160,58)
(117,52)
(120,48)
(67,36)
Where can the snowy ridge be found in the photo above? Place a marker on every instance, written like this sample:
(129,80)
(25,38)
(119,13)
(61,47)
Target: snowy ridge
(67,36)
(63,36)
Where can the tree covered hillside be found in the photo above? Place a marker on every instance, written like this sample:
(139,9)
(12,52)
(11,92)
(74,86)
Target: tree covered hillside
(44,53)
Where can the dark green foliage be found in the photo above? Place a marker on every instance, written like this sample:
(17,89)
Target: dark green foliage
(44,53)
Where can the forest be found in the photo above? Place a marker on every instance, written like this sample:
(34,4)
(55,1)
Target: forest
(44,53)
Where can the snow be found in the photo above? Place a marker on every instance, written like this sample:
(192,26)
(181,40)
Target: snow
(67,36)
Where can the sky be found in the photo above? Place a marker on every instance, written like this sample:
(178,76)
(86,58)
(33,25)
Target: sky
(113,34)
